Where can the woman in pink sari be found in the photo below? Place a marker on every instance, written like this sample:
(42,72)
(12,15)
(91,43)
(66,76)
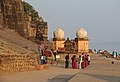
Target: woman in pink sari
(75,62)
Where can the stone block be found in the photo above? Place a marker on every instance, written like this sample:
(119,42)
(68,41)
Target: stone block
(41,67)
(17,63)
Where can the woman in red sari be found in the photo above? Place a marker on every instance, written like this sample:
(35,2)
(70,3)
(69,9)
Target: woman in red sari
(75,62)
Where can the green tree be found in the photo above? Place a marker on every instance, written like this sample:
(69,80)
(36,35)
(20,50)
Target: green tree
(30,10)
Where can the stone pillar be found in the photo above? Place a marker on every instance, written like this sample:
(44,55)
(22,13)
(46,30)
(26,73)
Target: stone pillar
(82,45)
(58,43)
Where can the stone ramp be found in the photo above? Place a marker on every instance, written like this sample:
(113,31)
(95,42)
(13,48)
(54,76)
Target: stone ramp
(100,70)
(17,40)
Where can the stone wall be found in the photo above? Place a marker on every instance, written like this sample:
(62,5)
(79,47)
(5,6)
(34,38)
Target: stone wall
(13,16)
(42,30)
(17,63)
(30,26)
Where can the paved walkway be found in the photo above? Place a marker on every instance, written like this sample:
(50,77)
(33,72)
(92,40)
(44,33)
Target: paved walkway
(100,70)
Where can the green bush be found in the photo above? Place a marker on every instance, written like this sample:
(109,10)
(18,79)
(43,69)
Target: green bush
(30,10)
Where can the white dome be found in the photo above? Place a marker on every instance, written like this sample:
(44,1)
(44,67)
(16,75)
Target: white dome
(58,33)
(81,33)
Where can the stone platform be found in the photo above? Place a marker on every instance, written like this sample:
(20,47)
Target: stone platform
(100,70)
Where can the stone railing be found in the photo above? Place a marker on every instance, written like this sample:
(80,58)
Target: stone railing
(17,63)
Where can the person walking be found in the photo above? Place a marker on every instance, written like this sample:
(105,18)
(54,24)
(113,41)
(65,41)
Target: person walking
(67,61)
(55,53)
(88,60)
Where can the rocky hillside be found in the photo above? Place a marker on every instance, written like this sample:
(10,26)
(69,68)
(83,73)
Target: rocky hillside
(16,24)
(23,18)
(16,53)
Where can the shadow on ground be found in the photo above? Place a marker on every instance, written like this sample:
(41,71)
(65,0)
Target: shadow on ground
(108,78)
(61,78)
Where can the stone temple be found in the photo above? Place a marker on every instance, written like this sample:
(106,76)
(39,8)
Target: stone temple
(58,40)
(79,44)
(81,40)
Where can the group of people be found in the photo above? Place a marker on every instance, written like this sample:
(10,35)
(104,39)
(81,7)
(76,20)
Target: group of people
(78,63)
(43,55)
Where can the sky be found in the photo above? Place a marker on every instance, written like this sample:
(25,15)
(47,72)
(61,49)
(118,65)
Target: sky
(101,18)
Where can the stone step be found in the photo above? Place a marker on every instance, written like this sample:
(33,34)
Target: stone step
(41,67)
